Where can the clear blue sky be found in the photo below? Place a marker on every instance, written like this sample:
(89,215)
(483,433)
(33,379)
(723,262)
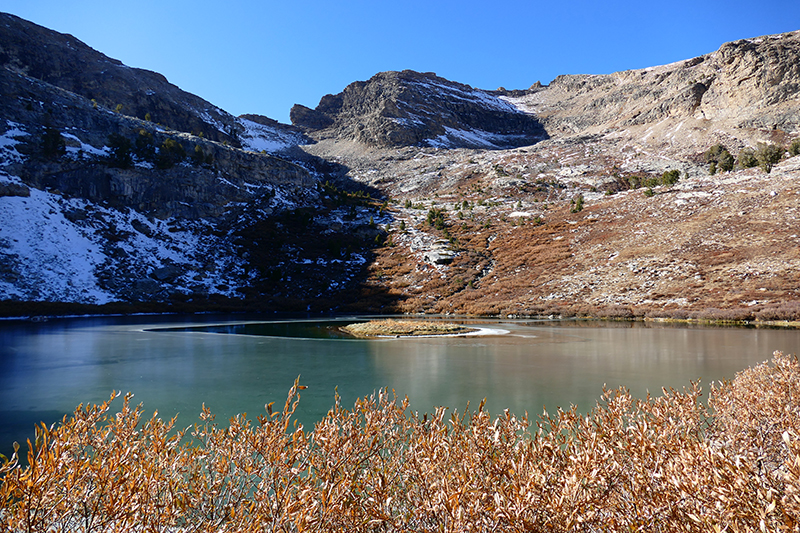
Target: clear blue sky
(250,56)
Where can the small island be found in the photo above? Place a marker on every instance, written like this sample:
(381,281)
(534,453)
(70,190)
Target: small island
(403,328)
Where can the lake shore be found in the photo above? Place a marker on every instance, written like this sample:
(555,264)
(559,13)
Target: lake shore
(44,311)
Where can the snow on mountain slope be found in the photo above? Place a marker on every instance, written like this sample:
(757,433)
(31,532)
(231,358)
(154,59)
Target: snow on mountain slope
(473,138)
(54,248)
(44,253)
(398,109)
(8,142)
(453,91)
(259,137)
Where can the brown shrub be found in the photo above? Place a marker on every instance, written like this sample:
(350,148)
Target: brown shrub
(725,315)
(655,464)
(782,311)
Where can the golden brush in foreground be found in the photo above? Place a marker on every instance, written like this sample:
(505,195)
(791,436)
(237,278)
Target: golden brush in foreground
(657,464)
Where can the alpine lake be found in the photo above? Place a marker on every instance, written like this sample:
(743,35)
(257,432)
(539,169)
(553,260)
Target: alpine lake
(237,364)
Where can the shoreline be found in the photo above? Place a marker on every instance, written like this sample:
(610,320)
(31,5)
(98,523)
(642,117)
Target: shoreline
(45,311)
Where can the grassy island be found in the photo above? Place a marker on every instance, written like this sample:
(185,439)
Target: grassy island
(403,328)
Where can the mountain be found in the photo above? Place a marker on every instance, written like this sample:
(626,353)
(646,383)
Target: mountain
(403,193)
(116,186)
(580,222)
(752,83)
(395,109)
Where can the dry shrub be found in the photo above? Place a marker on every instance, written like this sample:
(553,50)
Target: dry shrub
(783,311)
(655,464)
(725,315)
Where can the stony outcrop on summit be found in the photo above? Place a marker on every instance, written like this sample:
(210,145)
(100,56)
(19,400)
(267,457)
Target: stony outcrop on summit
(64,61)
(751,83)
(395,109)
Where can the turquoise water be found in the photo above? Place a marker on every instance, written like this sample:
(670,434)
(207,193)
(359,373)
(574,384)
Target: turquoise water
(175,364)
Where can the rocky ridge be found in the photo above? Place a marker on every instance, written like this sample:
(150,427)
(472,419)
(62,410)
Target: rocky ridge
(64,61)
(99,206)
(397,109)
(751,83)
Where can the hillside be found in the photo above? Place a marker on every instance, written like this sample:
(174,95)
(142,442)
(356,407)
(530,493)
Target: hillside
(404,193)
(510,240)
(395,109)
(118,187)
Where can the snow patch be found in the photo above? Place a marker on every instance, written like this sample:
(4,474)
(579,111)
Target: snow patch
(8,142)
(50,257)
(86,148)
(453,138)
(259,137)
(206,117)
(472,95)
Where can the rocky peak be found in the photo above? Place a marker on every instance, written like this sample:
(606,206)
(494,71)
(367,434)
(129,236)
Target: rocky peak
(63,61)
(408,108)
(752,83)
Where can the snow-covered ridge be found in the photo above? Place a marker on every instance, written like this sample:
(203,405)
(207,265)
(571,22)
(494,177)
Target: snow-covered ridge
(262,138)
(472,95)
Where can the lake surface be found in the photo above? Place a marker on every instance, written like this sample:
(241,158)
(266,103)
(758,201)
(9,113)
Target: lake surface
(175,364)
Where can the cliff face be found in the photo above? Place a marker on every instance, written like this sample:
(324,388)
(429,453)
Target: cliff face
(200,183)
(396,109)
(753,83)
(65,62)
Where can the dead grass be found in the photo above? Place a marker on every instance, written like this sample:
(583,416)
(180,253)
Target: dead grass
(722,247)
(659,464)
(403,328)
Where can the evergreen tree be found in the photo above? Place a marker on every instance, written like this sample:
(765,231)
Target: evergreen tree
(170,153)
(719,159)
(145,146)
(747,158)
(53,144)
(121,151)
(768,156)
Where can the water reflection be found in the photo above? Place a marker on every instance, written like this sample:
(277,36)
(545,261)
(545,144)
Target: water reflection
(48,369)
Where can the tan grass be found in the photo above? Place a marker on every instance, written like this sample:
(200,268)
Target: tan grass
(659,464)
(403,328)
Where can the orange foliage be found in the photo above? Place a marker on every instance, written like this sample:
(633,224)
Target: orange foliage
(656,464)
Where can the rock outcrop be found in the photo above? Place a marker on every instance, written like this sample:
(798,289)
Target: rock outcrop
(64,61)
(751,83)
(203,183)
(395,109)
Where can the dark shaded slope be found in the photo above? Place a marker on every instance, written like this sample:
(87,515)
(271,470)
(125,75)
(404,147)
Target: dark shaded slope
(65,62)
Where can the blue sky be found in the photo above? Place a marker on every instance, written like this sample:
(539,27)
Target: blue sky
(264,56)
